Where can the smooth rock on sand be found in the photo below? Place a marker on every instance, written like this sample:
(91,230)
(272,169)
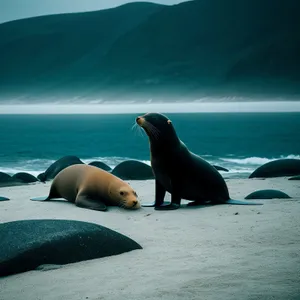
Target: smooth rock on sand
(25,177)
(101,165)
(27,244)
(278,168)
(57,166)
(268,194)
(133,170)
(7,180)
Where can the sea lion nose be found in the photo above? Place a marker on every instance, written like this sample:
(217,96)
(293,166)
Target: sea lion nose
(134,203)
(139,120)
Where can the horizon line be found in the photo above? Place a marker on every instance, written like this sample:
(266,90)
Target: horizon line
(169,107)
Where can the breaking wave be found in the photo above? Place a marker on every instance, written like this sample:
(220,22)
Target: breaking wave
(239,167)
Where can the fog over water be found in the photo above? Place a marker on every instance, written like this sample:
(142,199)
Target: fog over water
(121,108)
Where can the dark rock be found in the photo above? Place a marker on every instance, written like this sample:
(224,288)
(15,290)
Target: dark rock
(101,165)
(133,170)
(27,244)
(267,194)
(25,177)
(278,168)
(7,180)
(59,165)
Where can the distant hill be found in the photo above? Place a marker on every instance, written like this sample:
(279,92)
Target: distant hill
(147,50)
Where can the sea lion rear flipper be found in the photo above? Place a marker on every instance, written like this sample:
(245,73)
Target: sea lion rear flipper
(154,205)
(45,198)
(86,202)
(239,202)
(3,199)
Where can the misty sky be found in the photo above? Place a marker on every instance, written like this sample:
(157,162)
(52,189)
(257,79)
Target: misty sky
(18,9)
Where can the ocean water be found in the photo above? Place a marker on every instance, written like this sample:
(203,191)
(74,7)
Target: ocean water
(238,141)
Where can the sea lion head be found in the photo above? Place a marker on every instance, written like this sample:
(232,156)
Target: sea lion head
(159,129)
(126,197)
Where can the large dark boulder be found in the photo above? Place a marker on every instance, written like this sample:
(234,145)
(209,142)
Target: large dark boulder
(278,168)
(25,177)
(133,170)
(27,244)
(59,165)
(7,180)
(101,165)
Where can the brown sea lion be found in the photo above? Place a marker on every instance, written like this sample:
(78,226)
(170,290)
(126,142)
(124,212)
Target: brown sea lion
(182,173)
(91,187)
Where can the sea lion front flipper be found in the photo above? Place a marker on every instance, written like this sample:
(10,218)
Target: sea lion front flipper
(175,199)
(160,193)
(3,199)
(171,206)
(86,202)
(153,204)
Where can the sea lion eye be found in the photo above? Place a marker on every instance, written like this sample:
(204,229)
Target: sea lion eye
(169,122)
(121,193)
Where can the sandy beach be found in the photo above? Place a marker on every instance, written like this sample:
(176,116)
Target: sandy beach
(217,252)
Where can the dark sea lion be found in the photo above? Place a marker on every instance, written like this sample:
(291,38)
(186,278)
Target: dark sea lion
(25,177)
(92,188)
(133,170)
(268,194)
(278,168)
(101,165)
(59,165)
(182,173)
(27,244)
(3,199)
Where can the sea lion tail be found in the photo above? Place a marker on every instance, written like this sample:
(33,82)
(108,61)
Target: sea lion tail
(241,202)
(45,198)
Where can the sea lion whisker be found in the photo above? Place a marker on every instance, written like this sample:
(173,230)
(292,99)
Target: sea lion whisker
(133,126)
(137,129)
(122,204)
(141,132)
